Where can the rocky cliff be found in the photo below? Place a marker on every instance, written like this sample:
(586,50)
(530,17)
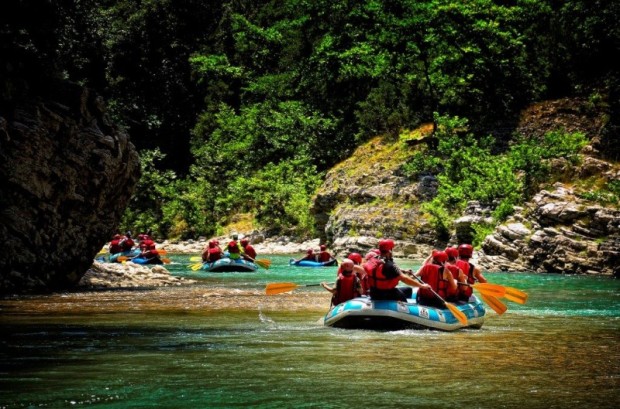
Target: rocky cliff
(559,230)
(66,176)
(367,197)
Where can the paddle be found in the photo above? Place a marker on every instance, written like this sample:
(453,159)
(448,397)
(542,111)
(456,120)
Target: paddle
(497,306)
(457,313)
(124,259)
(494,290)
(498,290)
(196,267)
(277,288)
(195,258)
(263,262)
(516,295)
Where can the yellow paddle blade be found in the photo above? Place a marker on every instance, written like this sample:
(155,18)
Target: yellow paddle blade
(196,267)
(457,313)
(263,262)
(497,306)
(494,290)
(515,295)
(195,258)
(277,288)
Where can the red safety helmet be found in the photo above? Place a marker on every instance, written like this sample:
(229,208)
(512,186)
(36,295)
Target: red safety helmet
(117,237)
(323,247)
(452,252)
(347,262)
(466,250)
(356,257)
(310,251)
(440,256)
(386,245)
(245,242)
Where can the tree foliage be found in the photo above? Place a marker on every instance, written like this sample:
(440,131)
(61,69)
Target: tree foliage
(238,94)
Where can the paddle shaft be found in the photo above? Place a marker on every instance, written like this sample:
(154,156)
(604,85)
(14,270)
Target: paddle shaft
(459,315)
(277,288)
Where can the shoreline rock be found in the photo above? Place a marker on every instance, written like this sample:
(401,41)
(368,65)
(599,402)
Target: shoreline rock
(124,275)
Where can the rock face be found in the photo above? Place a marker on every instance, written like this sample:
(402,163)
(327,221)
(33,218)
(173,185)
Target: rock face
(366,197)
(556,232)
(66,175)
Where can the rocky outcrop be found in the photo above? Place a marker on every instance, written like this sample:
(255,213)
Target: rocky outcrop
(557,232)
(367,197)
(67,175)
(127,275)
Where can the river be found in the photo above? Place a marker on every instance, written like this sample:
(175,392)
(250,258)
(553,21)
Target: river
(222,343)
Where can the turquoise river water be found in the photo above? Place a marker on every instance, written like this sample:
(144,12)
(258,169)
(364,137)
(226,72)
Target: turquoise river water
(222,343)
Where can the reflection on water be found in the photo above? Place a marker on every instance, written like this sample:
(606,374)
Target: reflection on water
(223,343)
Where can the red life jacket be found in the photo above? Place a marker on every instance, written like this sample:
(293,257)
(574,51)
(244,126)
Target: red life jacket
(324,256)
(345,289)
(214,254)
(361,276)
(233,248)
(249,250)
(466,291)
(115,246)
(148,244)
(127,244)
(376,279)
(431,274)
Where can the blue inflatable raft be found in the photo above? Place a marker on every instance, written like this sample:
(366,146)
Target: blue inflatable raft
(226,264)
(363,313)
(143,260)
(308,263)
(130,253)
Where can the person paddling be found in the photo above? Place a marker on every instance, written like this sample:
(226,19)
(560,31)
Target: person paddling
(310,256)
(360,272)
(439,278)
(471,272)
(127,242)
(456,272)
(212,252)
(348,285)
(115,245)
(324,255)
(249,253)
(384,275)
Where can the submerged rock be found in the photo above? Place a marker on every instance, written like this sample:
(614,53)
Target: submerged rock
(117,275)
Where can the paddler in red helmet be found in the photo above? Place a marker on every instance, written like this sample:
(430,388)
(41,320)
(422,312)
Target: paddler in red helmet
(384,275)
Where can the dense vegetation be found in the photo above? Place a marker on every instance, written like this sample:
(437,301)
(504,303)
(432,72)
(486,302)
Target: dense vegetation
(238,108)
